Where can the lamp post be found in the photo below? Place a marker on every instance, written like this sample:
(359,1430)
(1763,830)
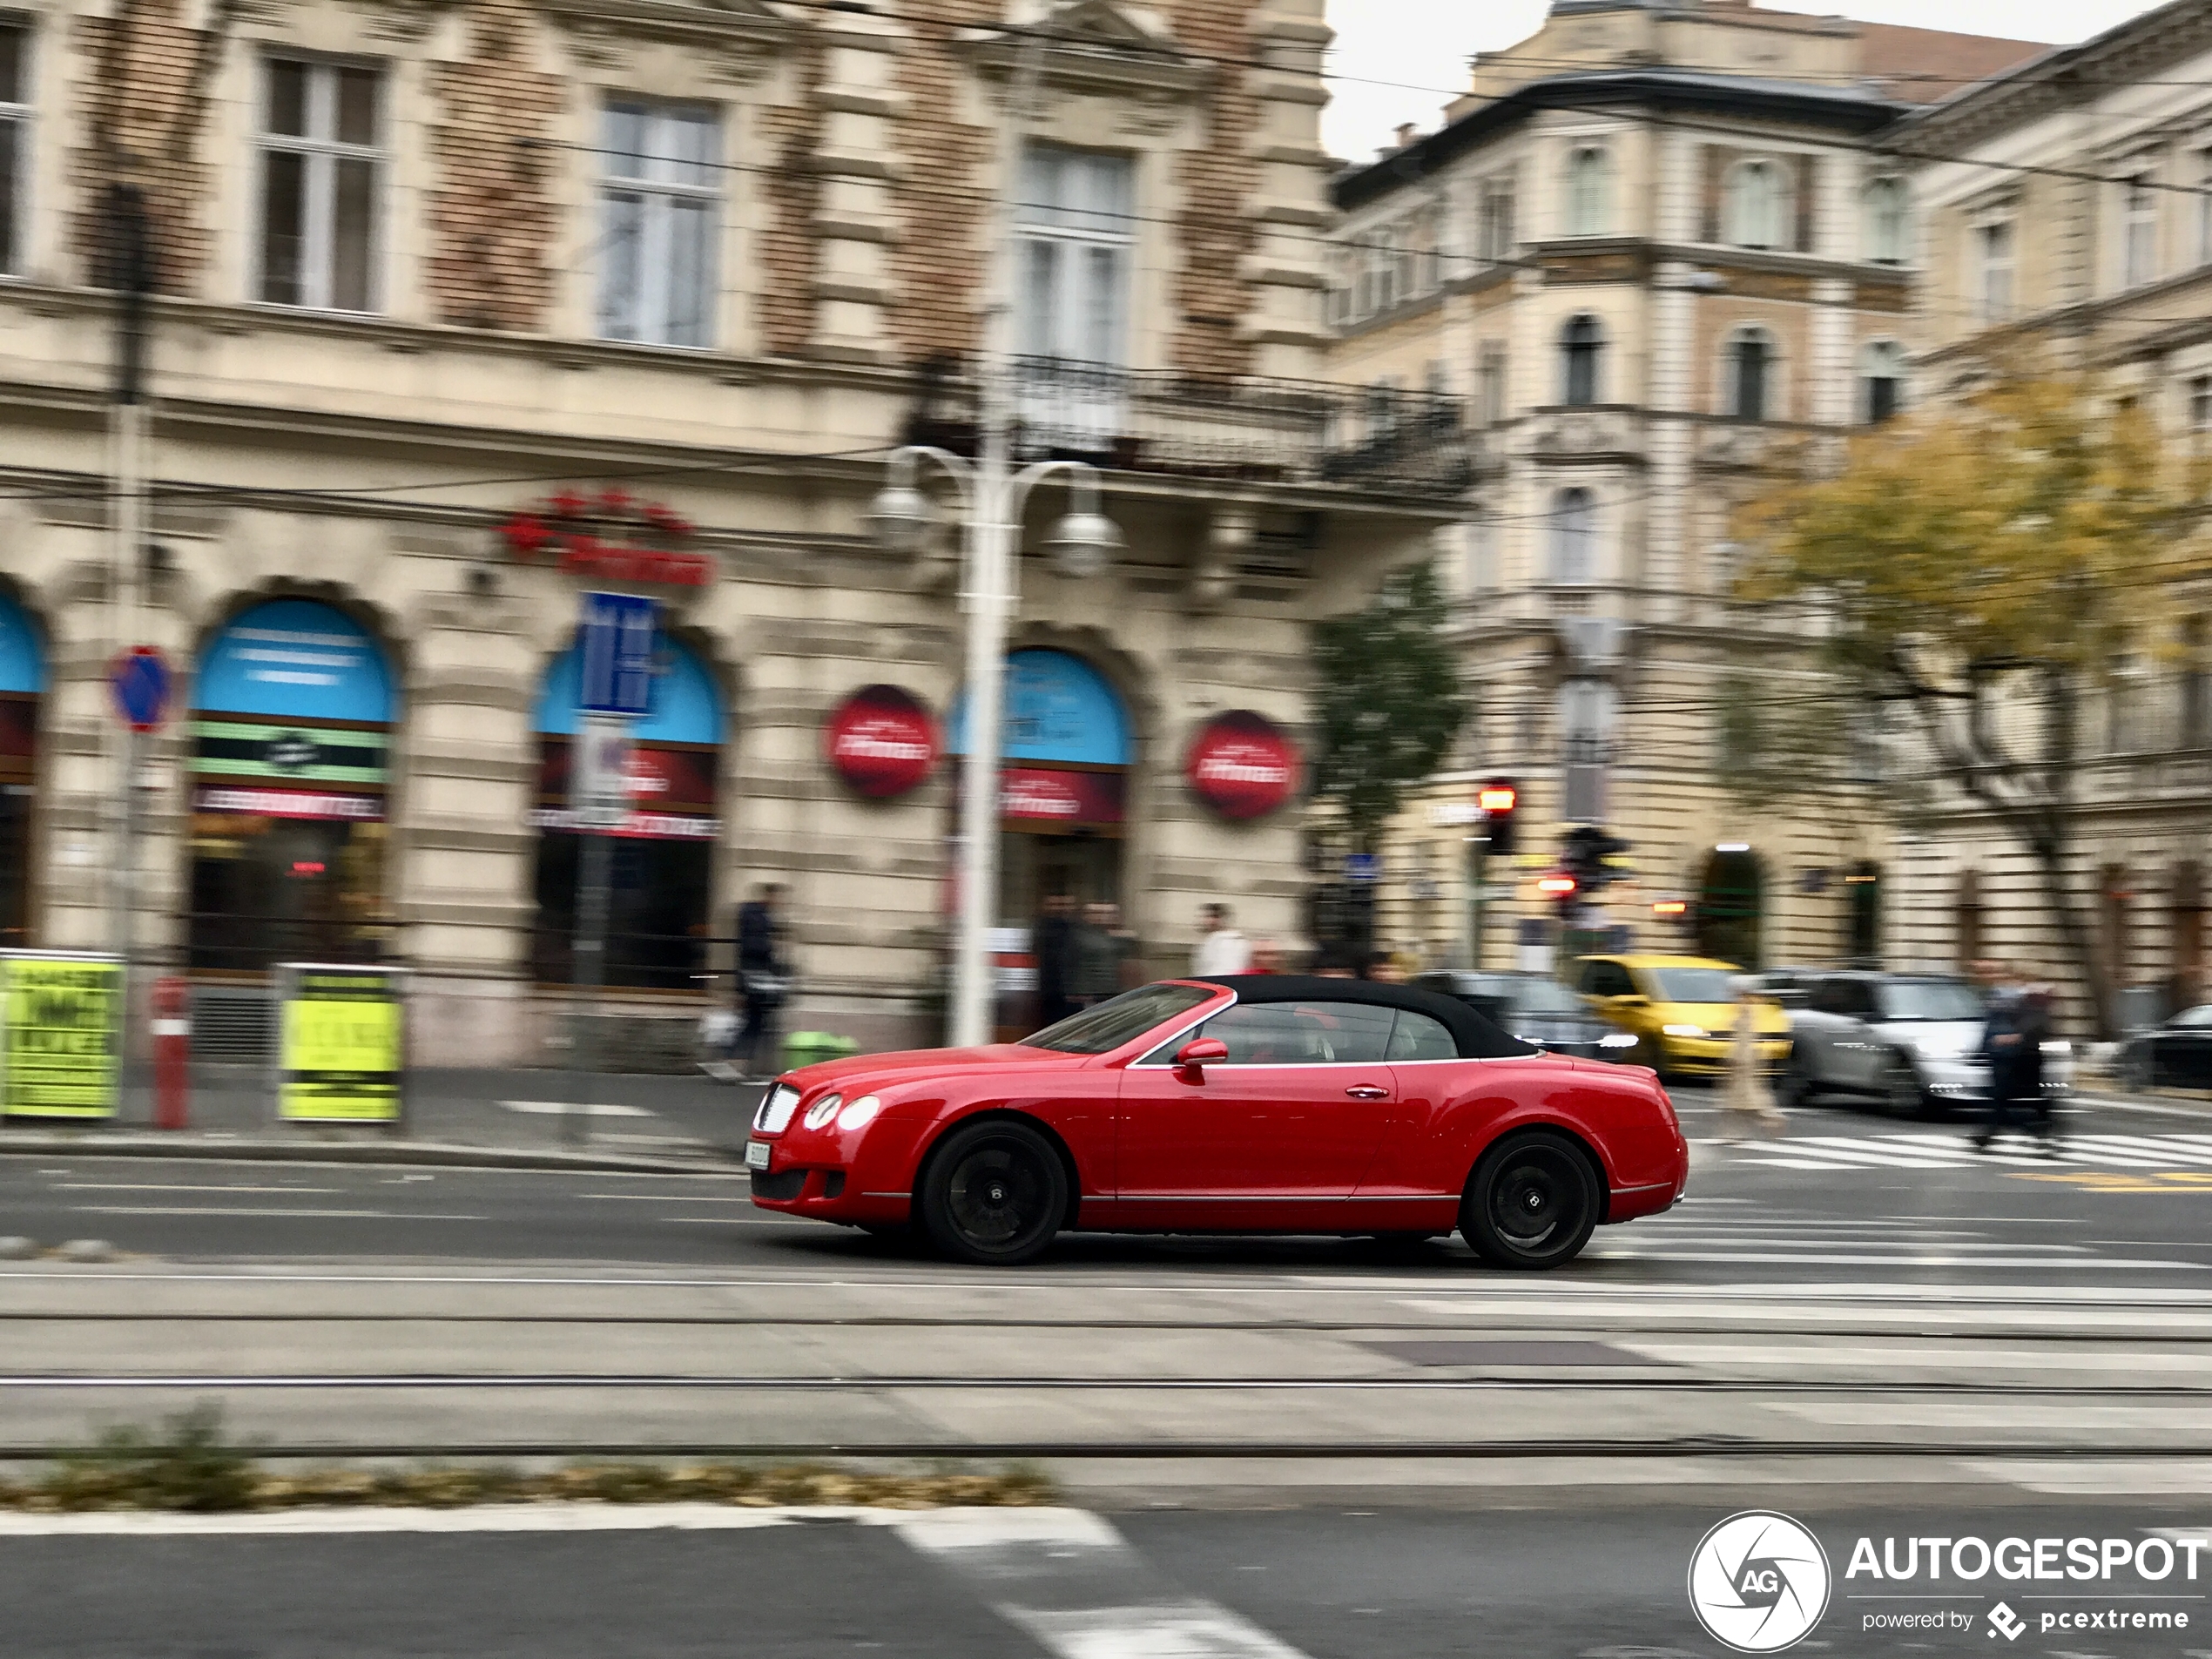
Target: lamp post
(1081,543)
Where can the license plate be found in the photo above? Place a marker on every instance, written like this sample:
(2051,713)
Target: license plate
(756,1155)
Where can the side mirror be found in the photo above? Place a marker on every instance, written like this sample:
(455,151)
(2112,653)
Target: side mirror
(1194,1056)
(1633,1000)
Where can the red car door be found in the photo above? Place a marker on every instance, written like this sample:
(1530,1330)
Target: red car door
(1277,1135)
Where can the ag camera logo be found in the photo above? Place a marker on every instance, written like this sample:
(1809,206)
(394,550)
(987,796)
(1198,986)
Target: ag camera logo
(1758,1581)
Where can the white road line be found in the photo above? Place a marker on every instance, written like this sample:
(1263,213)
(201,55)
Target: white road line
(241,1210)
(490,1517)
(1838,1259)
(1067,1578)
(176,1186)
(662,1197)
(2068,1478)
(582,1109)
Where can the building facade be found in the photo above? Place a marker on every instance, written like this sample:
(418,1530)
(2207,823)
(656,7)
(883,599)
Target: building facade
(1656,254)
(2065,213)
(459,310)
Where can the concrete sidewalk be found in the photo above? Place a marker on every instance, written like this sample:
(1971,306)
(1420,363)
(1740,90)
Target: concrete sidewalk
(535,1119)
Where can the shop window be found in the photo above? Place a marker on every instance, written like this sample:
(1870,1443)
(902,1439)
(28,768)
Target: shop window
(1581,345)
(660,215)
(1732,907)
(322,168)
(660,899)
(1862,895)
(290,736)
(23,682)
(14,141)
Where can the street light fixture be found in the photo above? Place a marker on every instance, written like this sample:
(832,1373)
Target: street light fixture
(1081,543)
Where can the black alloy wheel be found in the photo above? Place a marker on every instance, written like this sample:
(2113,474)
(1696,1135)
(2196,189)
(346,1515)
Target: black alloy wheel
(995,1194)
(1902,1095)
(1532,1203)
(1798,1089)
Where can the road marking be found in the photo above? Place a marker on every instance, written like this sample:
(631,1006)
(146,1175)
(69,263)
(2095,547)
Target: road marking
(1838,1259)
(2114,1477)
(663,1197)
(176,1186)
(490,1517)
(241,1210)
(581,1109)
(1068,1579)
(2103,1181)
(1932,1151)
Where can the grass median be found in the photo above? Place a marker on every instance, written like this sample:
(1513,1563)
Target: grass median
(190,1464)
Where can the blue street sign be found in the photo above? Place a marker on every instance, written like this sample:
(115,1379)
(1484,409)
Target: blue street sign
(614,638)
(1362,866)
(138,680)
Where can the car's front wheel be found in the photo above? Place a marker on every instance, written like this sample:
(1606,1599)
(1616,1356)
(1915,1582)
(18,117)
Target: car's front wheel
(1532,1202)
(1902,1095)
(994,1194)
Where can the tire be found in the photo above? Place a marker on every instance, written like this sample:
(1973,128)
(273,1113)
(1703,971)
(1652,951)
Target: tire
(1531,1203)
(1798,1090)
(1902,1095)
(994,1194)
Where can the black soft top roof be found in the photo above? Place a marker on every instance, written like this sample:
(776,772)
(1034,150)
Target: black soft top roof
(1478,1039)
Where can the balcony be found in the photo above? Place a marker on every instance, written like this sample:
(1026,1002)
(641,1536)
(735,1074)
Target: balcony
(1308,434)
(1594,432)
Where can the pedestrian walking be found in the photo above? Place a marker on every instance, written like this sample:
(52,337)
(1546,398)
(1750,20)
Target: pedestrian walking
(2004,1049)
(1052,944)
(1221,950)
(1098,957)
(1129,950)
(1749,1098)
(764,984)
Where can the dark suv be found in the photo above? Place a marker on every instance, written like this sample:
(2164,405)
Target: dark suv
(1536,1008)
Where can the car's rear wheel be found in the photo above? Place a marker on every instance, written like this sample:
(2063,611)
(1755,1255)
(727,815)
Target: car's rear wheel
(1902,1095)
(994,1194)
(1532,1202)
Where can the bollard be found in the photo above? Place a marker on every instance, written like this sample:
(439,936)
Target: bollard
(171,1053)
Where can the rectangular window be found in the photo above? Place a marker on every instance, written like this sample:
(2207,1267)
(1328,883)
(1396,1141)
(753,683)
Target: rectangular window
(2204,208)
(1495,232)
(1075,248)
(2139,232)
(322,171)
(2201,404)
(1993,249)
(1490,385)
(660,216)
(15,148)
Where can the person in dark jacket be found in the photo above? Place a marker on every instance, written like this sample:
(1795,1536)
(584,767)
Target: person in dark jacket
(764,977)
(1052,944)
(1098,957)
(2012,1040)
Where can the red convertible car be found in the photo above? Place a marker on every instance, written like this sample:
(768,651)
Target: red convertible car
(1246,1105)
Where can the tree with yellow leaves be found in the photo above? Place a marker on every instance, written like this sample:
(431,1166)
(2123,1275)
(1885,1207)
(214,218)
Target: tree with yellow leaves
(1979,565)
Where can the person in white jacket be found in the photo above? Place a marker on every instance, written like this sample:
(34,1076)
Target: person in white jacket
(1221,950)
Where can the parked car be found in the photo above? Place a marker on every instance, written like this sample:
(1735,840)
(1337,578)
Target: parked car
(1536,1009)
(1908,1042)
(1787,986)
(1245,1104)
(1681,1010)
(2176,1054)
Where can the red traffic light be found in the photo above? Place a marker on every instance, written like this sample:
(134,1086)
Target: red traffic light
(1496,798)
(1555,886)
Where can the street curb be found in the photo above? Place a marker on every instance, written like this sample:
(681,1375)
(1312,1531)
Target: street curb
(433,1154)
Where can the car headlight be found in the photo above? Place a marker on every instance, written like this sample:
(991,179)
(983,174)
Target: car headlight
(1682,1030)
(774,1115)
(823,1110)
(1617,1040)
(861,1113)
(2058,1046)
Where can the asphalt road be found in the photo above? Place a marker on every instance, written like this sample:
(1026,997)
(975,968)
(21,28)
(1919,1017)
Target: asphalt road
(1572,1581)
(1841,1193)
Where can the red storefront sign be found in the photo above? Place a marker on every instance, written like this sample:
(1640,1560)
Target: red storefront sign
(1242,765)
(286,803)
(1047,795)
(672,791)
(881,741)
(612,536)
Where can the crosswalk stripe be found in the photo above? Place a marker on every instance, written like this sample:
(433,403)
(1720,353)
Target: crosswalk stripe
(1921,1151)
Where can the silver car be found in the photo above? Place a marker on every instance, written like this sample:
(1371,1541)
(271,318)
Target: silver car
(1909,1043)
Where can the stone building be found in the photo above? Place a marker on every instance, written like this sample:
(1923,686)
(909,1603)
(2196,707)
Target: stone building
(2066,219)
(462,309)
(1656,254)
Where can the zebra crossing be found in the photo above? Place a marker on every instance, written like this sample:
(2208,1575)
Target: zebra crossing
(1937,1150)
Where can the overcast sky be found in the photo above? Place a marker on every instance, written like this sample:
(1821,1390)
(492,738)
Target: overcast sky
(1400,60)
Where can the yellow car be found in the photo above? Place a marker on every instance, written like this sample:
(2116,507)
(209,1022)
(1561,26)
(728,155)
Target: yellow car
(1682,1010)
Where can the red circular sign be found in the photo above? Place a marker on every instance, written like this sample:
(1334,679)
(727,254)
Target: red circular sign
(882,741)
(1242,765)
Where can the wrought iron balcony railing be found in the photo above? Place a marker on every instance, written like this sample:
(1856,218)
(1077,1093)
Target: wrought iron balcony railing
(1366,440)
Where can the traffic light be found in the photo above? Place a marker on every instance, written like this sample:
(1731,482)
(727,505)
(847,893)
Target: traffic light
(1584,854)
(1497,799)
(1558,885)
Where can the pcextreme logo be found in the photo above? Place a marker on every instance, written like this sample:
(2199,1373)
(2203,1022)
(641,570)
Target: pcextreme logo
(1758,1581)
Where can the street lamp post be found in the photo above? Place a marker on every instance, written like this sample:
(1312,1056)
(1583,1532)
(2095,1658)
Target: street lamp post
(992,497)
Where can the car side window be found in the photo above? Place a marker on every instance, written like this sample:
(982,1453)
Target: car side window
(1828,997)
(1610,979)
(1417,1037)
(1593,978)
(1300,1033)
(1858,998)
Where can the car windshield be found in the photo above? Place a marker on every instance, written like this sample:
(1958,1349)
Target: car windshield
(1928,999)
(1105,1027)
(2195,1016)
(1692,984)
(1535,995)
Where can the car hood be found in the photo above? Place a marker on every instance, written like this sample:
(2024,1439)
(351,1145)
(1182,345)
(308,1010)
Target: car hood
(1719,1018)
(1950,1039)
(920,1065)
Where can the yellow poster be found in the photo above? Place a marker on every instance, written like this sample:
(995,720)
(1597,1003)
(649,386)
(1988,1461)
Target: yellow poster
(63,1027)
(343,1045)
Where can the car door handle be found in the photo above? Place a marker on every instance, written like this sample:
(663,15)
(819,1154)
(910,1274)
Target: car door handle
(1368,1091)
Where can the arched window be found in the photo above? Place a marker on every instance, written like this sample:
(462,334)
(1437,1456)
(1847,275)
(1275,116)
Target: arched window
(1590,191)
(1757,205)
(1885,204)
(1580,344)
(1574,538)
(1881,378)
(1750,369)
